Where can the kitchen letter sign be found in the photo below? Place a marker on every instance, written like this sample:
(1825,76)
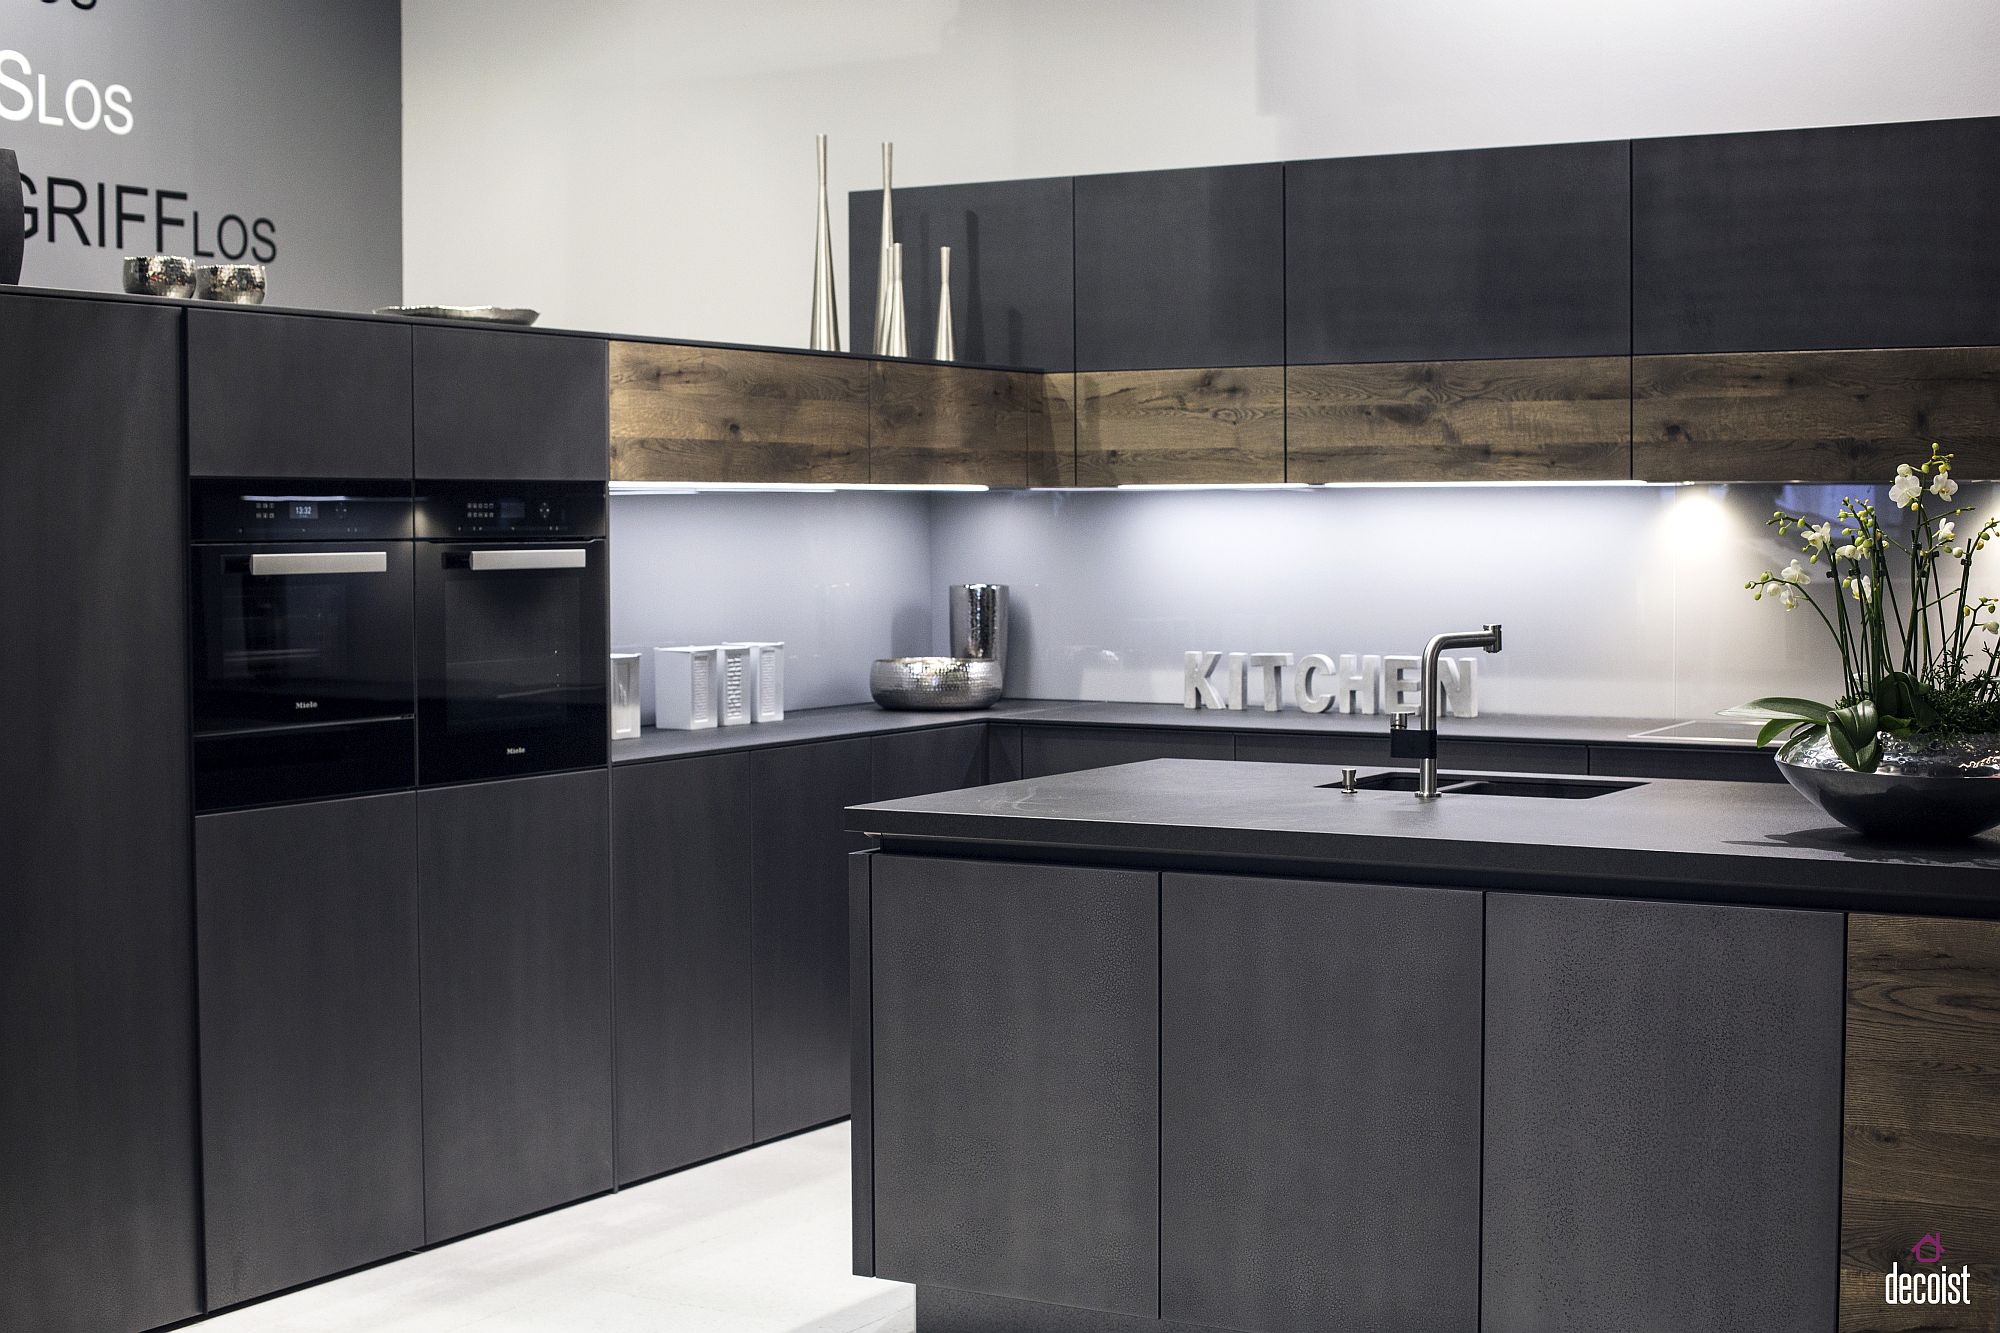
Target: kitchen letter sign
(1319,682)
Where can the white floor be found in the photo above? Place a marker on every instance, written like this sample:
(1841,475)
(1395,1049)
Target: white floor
(755,1243)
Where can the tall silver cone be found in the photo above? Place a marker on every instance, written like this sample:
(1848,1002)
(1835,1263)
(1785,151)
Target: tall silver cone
(898,341)
(884,276)
(946,347)
(825,335)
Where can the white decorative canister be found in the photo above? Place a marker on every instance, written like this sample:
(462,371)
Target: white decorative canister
(767,674)
(733,681)
(624,696)
(684,687)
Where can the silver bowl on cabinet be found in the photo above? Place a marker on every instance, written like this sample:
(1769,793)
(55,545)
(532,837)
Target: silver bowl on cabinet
(934,682)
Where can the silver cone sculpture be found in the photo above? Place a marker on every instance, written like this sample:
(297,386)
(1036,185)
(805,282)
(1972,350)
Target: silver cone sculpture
(825,336)
(946,347)
(898,341)
(888,296)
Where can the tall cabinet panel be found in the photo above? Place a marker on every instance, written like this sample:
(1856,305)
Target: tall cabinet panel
(1319,1125)
(311,1081)
(799,936)
(1662,1101)
(297,396)
(97,1099)
(516,908)
(513,405)
(680,874)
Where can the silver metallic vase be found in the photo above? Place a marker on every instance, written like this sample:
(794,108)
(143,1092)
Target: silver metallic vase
(825,336)
(1924,790)
(946,347)
(885,295)
(897,343)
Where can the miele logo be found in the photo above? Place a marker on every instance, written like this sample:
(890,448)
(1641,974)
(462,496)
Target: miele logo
(303,704)
(517,749)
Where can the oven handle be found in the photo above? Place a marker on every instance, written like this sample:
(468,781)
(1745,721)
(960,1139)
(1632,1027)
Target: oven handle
(319,562)
(526,557)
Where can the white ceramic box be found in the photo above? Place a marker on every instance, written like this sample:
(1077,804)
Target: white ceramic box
(734,683)
(624,696)
(767,674)
(684,687)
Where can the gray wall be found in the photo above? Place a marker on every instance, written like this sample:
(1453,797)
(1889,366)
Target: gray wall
(283,115)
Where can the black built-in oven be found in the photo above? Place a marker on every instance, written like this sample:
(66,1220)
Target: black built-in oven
(513,629)
(302,672)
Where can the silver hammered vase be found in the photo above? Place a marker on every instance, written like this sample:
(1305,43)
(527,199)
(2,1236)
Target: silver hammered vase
(1926,789)
(825,335)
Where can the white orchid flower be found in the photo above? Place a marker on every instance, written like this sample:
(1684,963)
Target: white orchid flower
(1946,530)
(1943,486)
(1905,470)
(1863,588)
(1794,574)
(1817,538)
(1907,488)
(1849,552)
(1788,596)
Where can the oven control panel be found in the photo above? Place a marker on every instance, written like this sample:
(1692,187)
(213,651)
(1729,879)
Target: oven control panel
(239,509)
(473,511)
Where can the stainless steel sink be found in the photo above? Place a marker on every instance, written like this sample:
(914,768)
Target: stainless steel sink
(1461,784)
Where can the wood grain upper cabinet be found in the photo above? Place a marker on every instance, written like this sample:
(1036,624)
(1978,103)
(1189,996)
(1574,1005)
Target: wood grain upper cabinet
(99,1199)
(715,414)
(1922,1132)
(957,425)
(508,405)
(1180,270)
(1662,1117)
(1320,1102)
(1478,255)
(273,395)
(1860,236)
(1180,427)
(1015,1125)
(1013,294)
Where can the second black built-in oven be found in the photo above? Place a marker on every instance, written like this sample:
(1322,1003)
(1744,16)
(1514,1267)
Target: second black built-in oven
(513,629)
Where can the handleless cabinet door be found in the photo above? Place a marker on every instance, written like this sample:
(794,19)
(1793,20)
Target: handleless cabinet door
(799,936)
(1319,1123)
(1181,269)
(515,881)
(1016,1080)
(680,872)
(510,406)
(1662,1117)
(918,763)
(98,1197)
(297,396)
(1049,750)
(311,1081)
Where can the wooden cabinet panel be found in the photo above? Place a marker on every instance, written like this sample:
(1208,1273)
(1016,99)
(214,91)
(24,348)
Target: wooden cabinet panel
(1814,416)
(1049,750)
(1662,1089)
(1016,1080)
(1857,236)
(311,1078)
(713,414)
(1553,420)
(515,881)
(297,396)
(1179,269)
(1180,426)
(680,873)
(1922,1131)
(1495,252)
(510,406)
(1012,268)
(935,425)
(799,938)
(1320,1081)
(1052,433)
(99,1212)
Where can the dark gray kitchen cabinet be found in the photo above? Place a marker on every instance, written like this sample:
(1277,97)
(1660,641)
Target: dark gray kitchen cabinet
(297,396)
(1496,756)
(799,929)
(1860,236)
(1663,1099)
(1484,254)
(1065,749)
(311,1077)
(506,405)
(680,873)
(1012,258)
(918,763)
(1655,761)
(515,887)
(1181,269)
(1016,1080)
(99,1199)
(1320,1091)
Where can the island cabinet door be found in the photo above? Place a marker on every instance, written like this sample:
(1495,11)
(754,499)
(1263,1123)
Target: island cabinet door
(1662,1145)
(1016,1080)
(1319,1121)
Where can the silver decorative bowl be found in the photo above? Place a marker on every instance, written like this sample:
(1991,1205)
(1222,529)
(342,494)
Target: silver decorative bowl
(934,682)
(476,314)
(159,275)
(239,284)
(1924,790)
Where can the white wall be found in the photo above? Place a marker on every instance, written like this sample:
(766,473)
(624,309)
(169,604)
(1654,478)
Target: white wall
(646,165)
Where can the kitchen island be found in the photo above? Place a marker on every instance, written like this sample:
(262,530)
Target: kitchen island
(1186,1045)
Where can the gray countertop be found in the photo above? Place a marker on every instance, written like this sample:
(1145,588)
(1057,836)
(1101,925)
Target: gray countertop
(1713,841)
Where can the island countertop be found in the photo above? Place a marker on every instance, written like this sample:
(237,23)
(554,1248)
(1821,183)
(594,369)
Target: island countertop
(1708,841)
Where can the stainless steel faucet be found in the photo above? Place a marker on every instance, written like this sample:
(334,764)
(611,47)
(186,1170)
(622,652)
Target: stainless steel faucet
(1420,742)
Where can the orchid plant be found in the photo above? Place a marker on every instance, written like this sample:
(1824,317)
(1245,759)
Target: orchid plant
(1919,651)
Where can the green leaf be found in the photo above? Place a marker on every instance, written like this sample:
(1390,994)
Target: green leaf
(1899,694)
(1771,730)
(1780,706)
(1844,747)
(1854,731)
